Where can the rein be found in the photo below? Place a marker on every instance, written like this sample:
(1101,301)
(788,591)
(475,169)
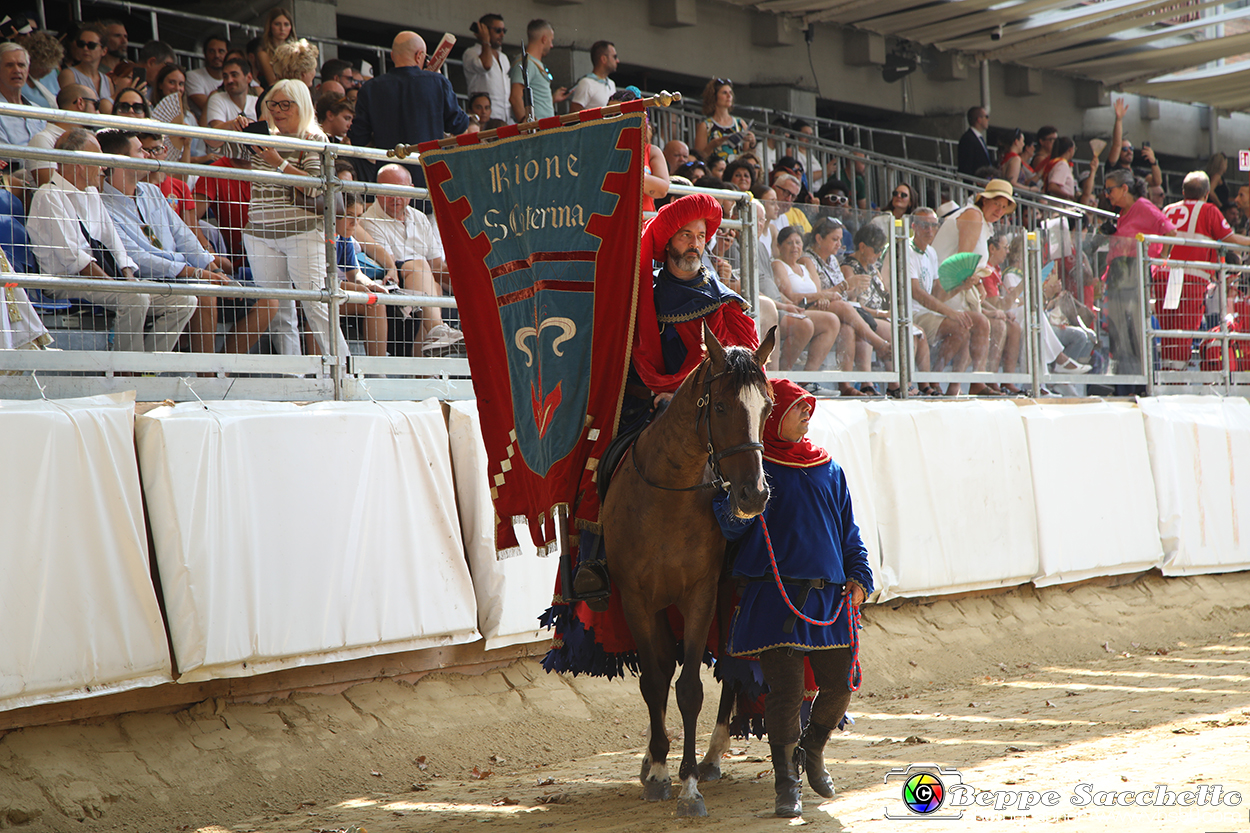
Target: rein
(856,675)
(713,456)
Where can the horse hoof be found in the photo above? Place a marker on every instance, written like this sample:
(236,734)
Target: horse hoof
(657,790)
(709,772)
(691,807)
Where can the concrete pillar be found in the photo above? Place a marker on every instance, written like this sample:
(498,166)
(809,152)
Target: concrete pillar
(985,84)
(318,18)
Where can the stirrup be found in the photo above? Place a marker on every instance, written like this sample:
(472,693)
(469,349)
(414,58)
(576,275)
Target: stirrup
(592,586)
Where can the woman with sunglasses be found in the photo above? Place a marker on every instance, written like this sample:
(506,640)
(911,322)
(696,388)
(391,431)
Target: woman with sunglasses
(86,48)
(721,133)
(285,233)
(902,200)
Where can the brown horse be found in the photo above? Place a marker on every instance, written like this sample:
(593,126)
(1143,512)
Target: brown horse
(664,546)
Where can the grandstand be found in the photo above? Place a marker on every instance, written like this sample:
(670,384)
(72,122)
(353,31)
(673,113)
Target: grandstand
(178,528)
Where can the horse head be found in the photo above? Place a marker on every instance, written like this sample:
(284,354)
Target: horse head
(737,402)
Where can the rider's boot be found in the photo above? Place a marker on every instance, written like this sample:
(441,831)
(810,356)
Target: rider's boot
(786,758)
(591,584)
(812,747)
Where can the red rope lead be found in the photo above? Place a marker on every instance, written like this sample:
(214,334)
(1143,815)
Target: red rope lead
(856,675)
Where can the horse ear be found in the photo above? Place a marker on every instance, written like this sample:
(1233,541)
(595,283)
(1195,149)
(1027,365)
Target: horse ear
(714,348)
(766,347)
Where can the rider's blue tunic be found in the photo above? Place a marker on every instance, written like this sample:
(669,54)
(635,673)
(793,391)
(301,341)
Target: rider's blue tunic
(814,536)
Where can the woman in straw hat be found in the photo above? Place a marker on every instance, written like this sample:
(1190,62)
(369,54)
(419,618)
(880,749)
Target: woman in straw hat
(968,230)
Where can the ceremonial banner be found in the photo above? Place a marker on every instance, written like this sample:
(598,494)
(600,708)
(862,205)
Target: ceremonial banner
(541,237)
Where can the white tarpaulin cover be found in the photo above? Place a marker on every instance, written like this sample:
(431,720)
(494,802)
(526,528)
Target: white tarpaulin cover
(79,612)
(1093,489)
(513,592)
(954,496)
(1200,453)
(290,535)
(841,428)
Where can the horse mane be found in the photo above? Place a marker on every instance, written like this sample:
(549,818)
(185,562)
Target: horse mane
(741,370)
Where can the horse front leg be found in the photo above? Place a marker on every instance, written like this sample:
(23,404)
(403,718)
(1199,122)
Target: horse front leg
(656,660)
(690,702)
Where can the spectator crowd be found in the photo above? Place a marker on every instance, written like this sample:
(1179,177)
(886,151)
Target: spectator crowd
(824,251)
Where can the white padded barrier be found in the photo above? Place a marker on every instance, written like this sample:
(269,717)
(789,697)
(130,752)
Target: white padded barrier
(289,535)
(79,611)
(841,428)
(1094,491)
(1200,453)
(511,592)
(954,496)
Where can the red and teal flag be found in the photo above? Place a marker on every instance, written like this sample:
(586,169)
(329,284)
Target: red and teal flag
(541,234)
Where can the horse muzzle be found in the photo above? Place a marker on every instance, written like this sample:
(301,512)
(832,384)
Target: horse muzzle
(748,500)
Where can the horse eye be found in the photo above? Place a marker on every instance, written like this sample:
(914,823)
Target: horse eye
(720,407)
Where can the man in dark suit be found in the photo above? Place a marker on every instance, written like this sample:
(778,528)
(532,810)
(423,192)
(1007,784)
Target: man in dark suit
(974,153)
(407,105)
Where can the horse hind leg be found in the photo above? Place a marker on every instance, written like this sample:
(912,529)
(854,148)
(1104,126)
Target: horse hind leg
(709,767)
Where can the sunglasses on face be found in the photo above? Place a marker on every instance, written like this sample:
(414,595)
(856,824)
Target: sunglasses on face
(901,194)
(127,107)
(88,44)
(94,102)
(838,200)
(499,30)
(274,106)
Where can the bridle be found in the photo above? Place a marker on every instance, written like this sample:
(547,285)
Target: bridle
(714,457)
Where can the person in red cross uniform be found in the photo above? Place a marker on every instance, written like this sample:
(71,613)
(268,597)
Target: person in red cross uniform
(1182,307)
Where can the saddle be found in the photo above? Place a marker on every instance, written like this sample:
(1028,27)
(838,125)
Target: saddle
(617,449)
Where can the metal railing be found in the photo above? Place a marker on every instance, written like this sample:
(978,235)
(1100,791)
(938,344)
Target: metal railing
(333,374)
(1222,334)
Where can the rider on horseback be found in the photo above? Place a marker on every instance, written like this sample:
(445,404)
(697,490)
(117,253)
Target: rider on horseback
(668,337)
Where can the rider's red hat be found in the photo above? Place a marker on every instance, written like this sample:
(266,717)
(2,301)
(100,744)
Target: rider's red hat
(673,217)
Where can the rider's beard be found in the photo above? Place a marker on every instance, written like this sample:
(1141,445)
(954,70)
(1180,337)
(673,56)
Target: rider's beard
(689,261)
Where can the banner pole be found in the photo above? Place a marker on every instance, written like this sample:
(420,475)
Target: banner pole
(664,99)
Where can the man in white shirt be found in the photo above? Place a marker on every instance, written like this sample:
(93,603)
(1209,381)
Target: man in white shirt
(232,107)
(77,98)
(941,325)
(486,68)
(203,81)
(14,68)
(408,236)
(73,235)
(595,87)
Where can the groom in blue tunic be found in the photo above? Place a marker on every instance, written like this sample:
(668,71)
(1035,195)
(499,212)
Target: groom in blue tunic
(824,572)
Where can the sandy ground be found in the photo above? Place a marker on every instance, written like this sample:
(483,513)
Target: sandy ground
(1121,688)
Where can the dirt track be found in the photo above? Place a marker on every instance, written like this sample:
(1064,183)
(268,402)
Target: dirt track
(1124,688)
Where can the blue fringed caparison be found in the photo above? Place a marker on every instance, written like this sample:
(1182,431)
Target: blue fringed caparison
(580,653)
